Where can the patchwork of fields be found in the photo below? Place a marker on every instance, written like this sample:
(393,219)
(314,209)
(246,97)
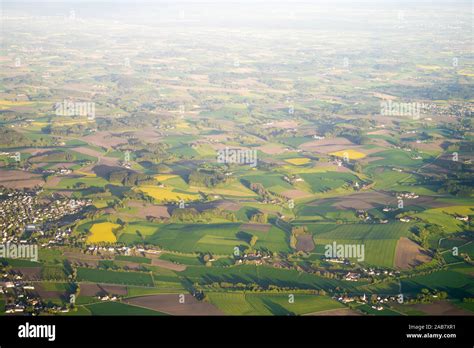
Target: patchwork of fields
(188,160)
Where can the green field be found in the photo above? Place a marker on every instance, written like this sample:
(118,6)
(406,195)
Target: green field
(395,158)
(237,303)
(322,182)
(323,212)
(138,259)
(214,238)
(264,276)
(114,277)
(69,183)
(379,252)
(117,308)
(379,240)
(195,238)
(457,281)
(272,182)
(367,231)
(184,260)
(445,218)
(19,262)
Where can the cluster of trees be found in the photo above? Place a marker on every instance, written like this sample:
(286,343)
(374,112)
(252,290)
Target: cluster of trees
(355,135)
(54,156)
(261,218)
(11,138)
(427,296)
(153,153)
(74,129)
(206,259)
(425,232)
(295,232)
(357,167)
(136,119)
(424,235)
(192,215)
(260,287)
(458,184)
(253,241)
(129,178)
(207,178)
(207,123)
(261,191)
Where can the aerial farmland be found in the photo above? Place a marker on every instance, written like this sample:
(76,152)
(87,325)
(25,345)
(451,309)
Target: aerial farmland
(188,162)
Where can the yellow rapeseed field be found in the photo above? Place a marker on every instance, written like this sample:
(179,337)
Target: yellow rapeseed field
(429,67)
(163,177)
(352,154)
(466,72)
(161,194)
(183,125)
(5,104)
(102,232)
(298,161)
(14,103)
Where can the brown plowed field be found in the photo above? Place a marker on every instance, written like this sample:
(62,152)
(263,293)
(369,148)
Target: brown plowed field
(169,303)
(255,227)
(168,265)
(98,289)
(29,273)
(440,308)
(305,243)
(409,254)
(19,179)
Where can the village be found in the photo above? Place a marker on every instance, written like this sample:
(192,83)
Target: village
(23,213)
(21,298)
